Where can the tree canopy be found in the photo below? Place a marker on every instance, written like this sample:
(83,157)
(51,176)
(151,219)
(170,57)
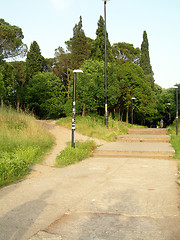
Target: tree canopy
(11,44)
(45,95)
(45,86)
(145,60)
(126,52)
(79,46)
(98,45)
(35,62)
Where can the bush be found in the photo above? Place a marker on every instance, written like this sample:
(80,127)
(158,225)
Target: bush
(72,155)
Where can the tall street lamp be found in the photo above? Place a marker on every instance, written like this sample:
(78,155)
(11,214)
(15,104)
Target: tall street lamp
(133,98)
(74,106)
(105,39)
(169,104)
(176,87)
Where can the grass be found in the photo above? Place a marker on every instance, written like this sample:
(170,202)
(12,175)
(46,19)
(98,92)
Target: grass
(71,155)
(22,143)
(94,126)
(175,142)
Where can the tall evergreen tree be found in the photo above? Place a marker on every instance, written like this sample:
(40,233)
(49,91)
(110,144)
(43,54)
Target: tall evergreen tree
(145,60)
(79,45)
(98,46)
(35,62)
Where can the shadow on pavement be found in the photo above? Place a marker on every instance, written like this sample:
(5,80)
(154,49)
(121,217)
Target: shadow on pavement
(16,223)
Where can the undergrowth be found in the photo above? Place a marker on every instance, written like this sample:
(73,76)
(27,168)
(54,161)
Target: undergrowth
(71,155)
(175,142)
(94,126)
(22,143)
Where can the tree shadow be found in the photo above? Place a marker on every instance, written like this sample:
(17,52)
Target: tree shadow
(15,223)
(121,220)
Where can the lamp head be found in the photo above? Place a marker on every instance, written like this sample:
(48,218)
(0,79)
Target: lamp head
(133,98)
(175,87)
(77,71)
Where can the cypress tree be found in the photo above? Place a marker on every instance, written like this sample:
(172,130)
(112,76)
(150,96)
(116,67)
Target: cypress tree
(98,46)
(79,46)
(145,60)
(35,62)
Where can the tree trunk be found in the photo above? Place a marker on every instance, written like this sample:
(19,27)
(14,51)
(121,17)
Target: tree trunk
(127,114)
(84,111)
(2,103)
(18,105)
(68,82)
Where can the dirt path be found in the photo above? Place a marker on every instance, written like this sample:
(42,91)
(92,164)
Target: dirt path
(62,136)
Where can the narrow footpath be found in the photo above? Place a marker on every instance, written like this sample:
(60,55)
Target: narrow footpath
(126,191)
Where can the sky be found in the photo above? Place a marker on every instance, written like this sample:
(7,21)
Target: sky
(51,22)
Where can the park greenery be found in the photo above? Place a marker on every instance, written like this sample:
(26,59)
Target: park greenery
(44,86)
(73,155)
(93,126)
(23,142)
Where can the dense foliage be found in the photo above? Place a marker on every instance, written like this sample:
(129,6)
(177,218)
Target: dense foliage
(11,44)
(44,86)
(45,94)
(145,60)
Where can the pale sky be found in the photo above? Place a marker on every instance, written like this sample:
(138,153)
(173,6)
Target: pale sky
(51,22)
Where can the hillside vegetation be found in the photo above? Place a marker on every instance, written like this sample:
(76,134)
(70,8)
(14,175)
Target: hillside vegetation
(94,126)
(175,141)
(22,143)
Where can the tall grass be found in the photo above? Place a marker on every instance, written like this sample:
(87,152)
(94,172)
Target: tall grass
(94,126)
(72,155)
(175,141)
(22,143)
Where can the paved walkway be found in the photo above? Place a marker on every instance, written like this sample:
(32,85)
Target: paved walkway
(101,198)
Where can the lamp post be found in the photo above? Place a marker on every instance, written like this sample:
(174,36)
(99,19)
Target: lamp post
(74,106)
(133,98)
(105,39)
(176,87)
(169,104)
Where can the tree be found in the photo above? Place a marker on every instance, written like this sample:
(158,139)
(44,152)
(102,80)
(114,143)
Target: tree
(79,46)
(126,52)
(35,62)
(45,95)
(11,44)
(19,81)
(62,66)
(145,60)
(2,85)
(90,87)
(7,77)
(98,46)
(134,84)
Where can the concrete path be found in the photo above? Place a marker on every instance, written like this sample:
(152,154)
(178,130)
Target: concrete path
(101,198)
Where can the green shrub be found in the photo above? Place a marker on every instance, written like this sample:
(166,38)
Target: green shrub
(12,168)
(72,155)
